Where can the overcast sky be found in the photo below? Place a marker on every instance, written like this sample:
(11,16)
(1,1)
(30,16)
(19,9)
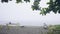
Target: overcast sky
(23,14)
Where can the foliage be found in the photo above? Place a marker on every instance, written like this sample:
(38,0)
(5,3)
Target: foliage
(50,29)
(35,5)
(17,1)
(8,27)
(57,27)
(54,6)
(54,28)
(0,27)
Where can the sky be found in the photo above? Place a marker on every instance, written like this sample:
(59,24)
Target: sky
(23,14)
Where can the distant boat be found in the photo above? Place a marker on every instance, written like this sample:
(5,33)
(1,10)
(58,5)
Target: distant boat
(12,24)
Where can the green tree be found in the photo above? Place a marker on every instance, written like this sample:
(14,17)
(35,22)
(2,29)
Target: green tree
(54,6)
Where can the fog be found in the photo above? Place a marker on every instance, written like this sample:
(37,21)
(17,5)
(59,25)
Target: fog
(23,14)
